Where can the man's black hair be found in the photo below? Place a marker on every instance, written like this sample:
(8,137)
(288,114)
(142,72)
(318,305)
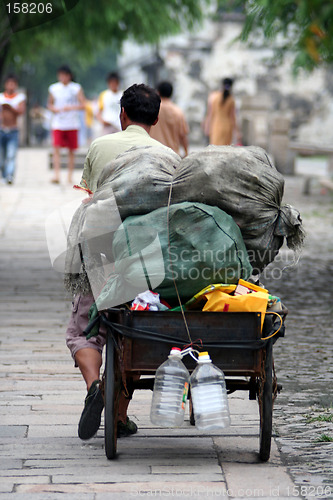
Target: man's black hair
(165,89)
(226,88)
(113,76)
(65,69)
(11,76)
(141,103)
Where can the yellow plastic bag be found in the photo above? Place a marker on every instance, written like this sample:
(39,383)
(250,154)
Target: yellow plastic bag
(249,286)
(218,300)
(198,299)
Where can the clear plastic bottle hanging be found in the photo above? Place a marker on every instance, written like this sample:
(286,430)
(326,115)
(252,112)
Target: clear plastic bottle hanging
(170,391)
(209,395)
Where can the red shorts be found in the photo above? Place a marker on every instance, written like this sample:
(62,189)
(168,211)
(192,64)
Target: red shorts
(65,139)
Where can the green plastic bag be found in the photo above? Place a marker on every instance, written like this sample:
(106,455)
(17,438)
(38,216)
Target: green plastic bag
(188,246)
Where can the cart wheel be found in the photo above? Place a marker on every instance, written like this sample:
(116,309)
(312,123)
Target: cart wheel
(265,397)
(111,401)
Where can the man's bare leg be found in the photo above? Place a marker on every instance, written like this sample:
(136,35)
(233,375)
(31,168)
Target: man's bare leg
(56,164)
(71,160)
(89,362)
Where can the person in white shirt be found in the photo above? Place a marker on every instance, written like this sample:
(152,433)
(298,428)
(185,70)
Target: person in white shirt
(66,98)
(108,105)
(12,105)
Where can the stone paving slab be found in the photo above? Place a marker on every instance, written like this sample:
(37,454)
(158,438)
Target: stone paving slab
(257,481)
(243,450)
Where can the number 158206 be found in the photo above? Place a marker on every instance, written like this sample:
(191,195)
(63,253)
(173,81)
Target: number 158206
(29,8)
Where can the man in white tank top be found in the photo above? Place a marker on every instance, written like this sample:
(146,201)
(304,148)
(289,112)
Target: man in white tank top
(66,98)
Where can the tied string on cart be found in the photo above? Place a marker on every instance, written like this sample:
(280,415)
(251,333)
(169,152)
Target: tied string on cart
(191,344)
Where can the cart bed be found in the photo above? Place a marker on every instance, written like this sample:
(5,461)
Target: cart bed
(233,339)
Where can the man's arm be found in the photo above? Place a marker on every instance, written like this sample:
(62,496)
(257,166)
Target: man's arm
(82,99)
(184,143)
(183,135)
(21,108)
(50,104)
(85,179)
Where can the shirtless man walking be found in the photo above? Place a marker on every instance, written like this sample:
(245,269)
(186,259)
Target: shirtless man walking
(12,105)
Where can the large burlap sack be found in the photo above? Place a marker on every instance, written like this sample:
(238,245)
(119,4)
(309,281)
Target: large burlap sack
(244,183)
(190,244)
(240,180)
(139,179)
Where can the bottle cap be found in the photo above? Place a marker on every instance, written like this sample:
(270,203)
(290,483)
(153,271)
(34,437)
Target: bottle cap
(204,357)
(175,351)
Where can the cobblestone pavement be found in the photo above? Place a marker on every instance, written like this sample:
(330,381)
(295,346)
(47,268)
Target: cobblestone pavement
(303,413)
(42,393)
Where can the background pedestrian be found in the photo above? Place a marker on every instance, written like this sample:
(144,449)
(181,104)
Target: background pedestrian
(12,105)
(220,123)
(108,105)
(66,98)
(171,128)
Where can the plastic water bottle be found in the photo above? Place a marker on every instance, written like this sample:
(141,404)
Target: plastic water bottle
(209,395)
(170,391)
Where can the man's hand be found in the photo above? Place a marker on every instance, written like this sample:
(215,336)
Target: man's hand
(18,110)
(8,107)
(87,200)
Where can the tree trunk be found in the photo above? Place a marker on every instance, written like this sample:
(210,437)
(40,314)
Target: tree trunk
(3,58)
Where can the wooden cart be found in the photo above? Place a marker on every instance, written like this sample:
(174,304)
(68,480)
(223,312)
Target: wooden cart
(138,342)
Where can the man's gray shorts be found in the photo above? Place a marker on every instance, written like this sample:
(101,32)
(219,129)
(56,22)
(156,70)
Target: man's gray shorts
(75,338)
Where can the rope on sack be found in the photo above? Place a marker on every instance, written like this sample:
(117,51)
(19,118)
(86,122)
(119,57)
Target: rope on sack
(172,274)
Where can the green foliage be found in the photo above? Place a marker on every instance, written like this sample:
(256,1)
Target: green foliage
(324,438)
(321,418)
(304,27)
(92,25)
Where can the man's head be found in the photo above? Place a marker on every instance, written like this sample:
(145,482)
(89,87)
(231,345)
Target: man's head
(165,89)
(113,81)
(11,83)
(64,74)
(139,104)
